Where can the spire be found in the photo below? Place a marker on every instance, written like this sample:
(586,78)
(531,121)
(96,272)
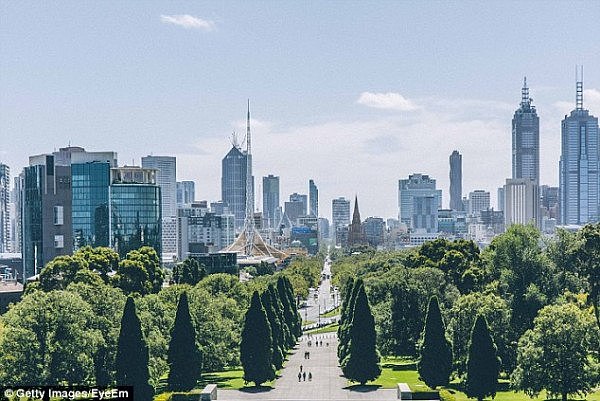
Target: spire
(579,89)
(248,138)
(525,100)
(356,215)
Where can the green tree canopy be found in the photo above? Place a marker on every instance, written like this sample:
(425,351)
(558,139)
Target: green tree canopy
(132,355)
(184,358)
(435,353)
(483,366)
(61,271)
(554,355)
(256,348)
(361,363)
(190,271)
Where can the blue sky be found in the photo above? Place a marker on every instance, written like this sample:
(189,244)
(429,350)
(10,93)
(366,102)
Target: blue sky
(355,95)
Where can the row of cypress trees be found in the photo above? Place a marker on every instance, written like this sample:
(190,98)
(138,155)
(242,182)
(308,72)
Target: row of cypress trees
(357,348)
(435,355)
(272,326)
(184,357)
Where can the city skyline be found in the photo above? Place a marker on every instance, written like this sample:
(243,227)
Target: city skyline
(392,113)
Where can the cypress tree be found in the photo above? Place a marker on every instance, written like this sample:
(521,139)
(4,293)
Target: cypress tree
(132,355)
(285,335)
(345,301)
(184,357)
(296,318)
(256,348)
(265,299)
(347,321)
(435,354)
(361,363)
(483,365)
(288,310)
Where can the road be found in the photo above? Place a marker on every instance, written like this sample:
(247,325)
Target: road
(325,298)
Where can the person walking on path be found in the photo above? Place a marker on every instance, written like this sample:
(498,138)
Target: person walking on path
(299,376)
(300,368)
(304,376)
(309,376)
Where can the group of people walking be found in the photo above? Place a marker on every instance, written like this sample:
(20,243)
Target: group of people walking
(302,375)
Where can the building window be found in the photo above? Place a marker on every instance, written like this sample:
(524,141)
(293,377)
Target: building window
(59,241)
(58,216)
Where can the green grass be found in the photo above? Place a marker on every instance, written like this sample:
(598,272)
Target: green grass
(332,328)
(307,322)
(399,370)
(332,313)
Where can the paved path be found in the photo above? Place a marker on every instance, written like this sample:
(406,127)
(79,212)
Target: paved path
(327,382)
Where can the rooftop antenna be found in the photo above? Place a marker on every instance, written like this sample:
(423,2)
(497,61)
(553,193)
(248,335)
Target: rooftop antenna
(525,101)
(234,140)
(579,89)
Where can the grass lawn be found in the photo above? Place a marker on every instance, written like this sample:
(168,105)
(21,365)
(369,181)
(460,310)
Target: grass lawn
(307,322)
(332,313)
(398,370)
(332,328)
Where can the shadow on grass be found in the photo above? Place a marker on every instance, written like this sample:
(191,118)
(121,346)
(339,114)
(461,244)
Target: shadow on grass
(395,366)
(360,388)
(256,389)
(220,381)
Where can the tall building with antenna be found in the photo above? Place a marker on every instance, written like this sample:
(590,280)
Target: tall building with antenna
(526,139)
(579,189)
(233,181)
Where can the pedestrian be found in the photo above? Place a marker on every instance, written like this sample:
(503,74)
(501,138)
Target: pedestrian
(300,368)
(299,376)
(321,343)
(309,376)
(308,355)
(304,376)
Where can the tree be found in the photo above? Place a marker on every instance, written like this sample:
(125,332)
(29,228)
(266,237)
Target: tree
(101,260)
(405,319)
(132,355)
(435,354)
(132,277)
(483,366)
(346,321)
(296,319)
(284,334)
(60,272)
(553,356)
(190,271)
(289,310)
(151,263)
(256,348)
(49,339)
(275,324)
(185,359)
(361,363)
(589,259)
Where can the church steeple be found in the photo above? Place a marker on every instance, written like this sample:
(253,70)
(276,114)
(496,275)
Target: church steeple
(356,235)
(356,214)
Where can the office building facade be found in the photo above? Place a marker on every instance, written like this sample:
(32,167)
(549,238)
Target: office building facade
(526,139)
(270,199)
(456,181)
(5,218)
(233,183)
(340,213)
(478,200)
(579,183)
(313,193)
(417,185)
(186,193)
(522,202)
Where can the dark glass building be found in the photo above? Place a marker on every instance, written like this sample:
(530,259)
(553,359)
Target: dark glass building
(313,193)
(233,183)
(456,182)
(270,199)
(90,204)
(135,209)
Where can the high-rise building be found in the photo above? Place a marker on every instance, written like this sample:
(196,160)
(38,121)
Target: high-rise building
(135,209)
(4,208)
(186,193)
(456,181)
(374,228)
(271,199)
(296,197)
(522,202)
(415,185)
(579,165)
(526,139)
(166,178)
(313,193)
(323,227)
(340,213)
(478,200)
(233,183)
(549,201)
(425,214)
(201,231)
(46,204)
(294,209)
(501,199)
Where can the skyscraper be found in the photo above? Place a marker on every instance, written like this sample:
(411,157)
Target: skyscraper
(456,181)
(416,185)
(526,139)
(186,193)
(313,193)
(4,208)
(522,202)
(340,213)
(166,179)
(270,199)
(579,181)
(233,183)
(479,200)
(296,197)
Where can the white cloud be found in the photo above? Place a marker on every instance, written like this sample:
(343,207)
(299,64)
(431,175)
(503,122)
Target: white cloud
(188,22)
(388,101)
